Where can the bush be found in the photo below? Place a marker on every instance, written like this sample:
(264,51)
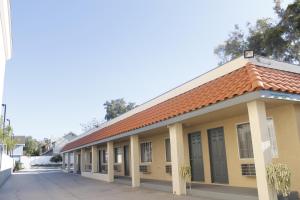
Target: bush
(56,158)
(279,176)
(18,166)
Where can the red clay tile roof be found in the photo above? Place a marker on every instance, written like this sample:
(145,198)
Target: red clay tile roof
(246,79)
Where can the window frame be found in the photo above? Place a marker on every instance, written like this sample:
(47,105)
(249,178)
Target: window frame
(148,162)
(121,155)
(104,158)
(168,162)
(237,139)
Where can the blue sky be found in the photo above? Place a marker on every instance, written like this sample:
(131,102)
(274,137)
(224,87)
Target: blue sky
(70,56)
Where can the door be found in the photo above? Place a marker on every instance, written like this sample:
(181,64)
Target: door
(217,153)
(126,160)
(79,164)
(100,161)
(196,156)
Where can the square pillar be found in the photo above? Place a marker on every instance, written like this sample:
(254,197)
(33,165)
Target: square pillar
(68,161)
(177,157)
(261,148)
(82,159)
(135,160)
(110,161)
(94,159)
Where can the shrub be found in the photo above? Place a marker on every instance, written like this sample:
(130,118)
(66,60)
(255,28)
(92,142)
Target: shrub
(18,166)
(279,176)
(56,158)
(186,173)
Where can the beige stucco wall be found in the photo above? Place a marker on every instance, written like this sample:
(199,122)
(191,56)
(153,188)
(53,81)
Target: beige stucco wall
(287,126)
(158,157)
(287,123)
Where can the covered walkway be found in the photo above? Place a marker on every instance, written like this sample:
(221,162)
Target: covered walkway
(53,184)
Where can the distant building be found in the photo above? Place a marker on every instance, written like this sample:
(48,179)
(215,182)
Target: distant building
(19,148)
(54,147)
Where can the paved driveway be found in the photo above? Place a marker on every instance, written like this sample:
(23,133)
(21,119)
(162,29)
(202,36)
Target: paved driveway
(56,185)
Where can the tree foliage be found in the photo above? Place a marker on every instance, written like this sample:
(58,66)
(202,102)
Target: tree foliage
(32,147)
(57,158)
(9,141)
(115,108)
(6,137)
(279,40)
(94,123)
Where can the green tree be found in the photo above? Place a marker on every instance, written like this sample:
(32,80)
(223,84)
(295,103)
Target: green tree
(8,139)
(115,108)
(31,147)
(278,40)
(57,158)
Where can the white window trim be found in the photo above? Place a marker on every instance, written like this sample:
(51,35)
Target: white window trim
(274,156)
(146,163)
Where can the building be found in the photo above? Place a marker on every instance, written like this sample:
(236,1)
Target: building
(5,40)
(54,147)
(5,45)
(227,124)
(19,148)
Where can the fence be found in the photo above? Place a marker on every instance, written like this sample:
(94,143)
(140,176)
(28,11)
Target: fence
(6,168)
(29,161)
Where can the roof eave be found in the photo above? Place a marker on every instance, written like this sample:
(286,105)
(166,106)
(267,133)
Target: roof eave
(261,94)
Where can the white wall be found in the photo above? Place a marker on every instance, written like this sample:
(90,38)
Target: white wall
(5,40)
(7,162)
(29,161)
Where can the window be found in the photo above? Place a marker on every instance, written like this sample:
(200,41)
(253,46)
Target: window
(245,141)
(272,138)
(90,158)
(103,156)
(146,152)
(118,155)
(168,150)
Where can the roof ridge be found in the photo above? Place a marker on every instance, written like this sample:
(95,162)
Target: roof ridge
(254,76)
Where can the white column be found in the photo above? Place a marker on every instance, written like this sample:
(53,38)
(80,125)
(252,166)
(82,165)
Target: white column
(261,148)
(69,162)
(135,161)
(94,159)
(110,161)
(82,159)
(177,156)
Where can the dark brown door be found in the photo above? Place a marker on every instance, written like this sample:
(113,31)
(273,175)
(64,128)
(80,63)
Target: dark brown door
(217,153)
(196,156)
(126,160)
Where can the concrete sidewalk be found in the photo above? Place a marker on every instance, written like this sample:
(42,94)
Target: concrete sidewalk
(56,185)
